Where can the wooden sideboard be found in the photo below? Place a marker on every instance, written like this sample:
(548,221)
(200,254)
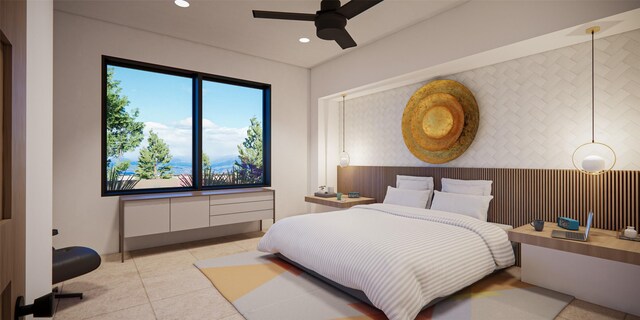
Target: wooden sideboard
(142,215)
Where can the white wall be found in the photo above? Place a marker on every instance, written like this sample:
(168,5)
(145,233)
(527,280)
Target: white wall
(467,30)
(39,116)
(86,218)
(534,111)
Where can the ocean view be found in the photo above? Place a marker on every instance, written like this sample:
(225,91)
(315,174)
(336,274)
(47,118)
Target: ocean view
(184,167)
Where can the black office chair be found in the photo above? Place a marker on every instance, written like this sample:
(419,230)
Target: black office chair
(72,262)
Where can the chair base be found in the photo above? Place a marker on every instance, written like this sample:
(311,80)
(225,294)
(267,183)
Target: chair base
(70,295)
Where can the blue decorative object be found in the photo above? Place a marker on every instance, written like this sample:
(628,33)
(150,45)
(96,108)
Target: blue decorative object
(354,194)
(568,223)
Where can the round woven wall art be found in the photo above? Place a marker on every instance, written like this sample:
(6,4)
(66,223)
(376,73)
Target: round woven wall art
(440,121)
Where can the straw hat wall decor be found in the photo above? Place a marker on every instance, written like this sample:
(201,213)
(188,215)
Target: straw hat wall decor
(440,121)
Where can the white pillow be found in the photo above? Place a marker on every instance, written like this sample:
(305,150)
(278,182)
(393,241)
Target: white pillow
(470,205)
(406,197)
(474,187)
(464,189)
(415,183)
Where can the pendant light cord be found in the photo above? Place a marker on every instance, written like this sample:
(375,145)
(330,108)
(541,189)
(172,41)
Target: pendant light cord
(343,121)
(593,112)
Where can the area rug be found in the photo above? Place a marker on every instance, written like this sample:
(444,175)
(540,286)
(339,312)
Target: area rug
(264,287)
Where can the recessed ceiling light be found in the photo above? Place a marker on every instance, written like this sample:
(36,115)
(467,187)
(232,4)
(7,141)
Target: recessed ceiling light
(181,3)
(303,40)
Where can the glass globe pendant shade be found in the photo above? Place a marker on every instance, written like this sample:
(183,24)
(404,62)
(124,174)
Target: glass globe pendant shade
(344,159)
(594,158)
(593,163)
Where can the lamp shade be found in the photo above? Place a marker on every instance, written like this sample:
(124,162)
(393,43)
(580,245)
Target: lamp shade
(344,159)
(593,163)
(594,158)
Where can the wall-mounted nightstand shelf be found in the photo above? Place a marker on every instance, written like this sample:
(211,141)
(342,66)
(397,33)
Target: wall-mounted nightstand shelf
(603,270)
(342,204)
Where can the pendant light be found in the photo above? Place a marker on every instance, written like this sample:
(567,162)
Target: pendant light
(593,158)
(344,156)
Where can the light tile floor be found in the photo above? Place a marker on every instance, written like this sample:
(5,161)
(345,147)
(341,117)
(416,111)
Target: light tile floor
(162,283)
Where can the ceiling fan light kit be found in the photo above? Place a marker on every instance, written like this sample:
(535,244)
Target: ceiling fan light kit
(330,20)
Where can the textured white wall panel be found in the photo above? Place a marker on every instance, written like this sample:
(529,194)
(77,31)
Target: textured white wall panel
(534,111)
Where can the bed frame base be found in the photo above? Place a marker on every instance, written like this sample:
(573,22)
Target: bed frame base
(358,294)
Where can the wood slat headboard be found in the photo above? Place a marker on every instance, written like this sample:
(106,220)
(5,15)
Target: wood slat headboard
(521,195)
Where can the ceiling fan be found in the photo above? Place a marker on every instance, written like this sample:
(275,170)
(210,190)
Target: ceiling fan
(330,20)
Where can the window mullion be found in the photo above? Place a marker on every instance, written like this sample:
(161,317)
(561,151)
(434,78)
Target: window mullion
(197,131)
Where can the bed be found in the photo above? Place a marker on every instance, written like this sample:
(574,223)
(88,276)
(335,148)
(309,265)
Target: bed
(400,258)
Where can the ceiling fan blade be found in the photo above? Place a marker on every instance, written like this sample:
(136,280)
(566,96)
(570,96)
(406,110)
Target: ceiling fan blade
(344,40)
(356,7)
(284,15)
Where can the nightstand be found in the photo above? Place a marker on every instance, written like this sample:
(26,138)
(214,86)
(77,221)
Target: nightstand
(342,204)
(603,270)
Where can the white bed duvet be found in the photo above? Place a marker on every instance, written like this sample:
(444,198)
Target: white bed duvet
(401,258)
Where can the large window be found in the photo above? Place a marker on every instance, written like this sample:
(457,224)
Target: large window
(167,129)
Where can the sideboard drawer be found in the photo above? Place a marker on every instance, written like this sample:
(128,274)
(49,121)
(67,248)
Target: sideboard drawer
(241,207)
(240,197)
(240,217)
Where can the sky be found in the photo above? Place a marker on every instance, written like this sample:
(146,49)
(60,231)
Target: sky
(165,106)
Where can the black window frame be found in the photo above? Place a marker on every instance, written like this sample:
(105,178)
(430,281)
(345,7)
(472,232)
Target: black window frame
(197,79)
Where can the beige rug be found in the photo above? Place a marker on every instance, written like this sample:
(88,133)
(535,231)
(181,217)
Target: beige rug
(263,287)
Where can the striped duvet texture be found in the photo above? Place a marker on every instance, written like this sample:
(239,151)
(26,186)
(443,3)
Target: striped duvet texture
(401,258)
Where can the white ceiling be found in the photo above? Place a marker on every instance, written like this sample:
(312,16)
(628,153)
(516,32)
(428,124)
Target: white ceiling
(229,24)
